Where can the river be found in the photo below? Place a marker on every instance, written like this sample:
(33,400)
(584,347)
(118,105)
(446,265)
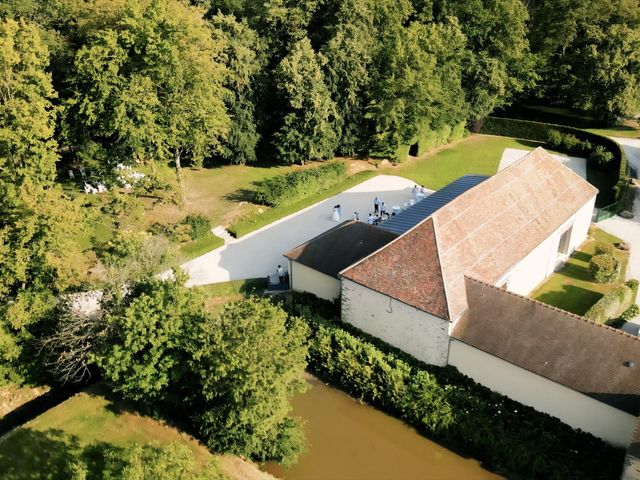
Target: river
(347,440)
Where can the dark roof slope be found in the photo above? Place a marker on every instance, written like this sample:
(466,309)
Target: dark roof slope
(563,347)
(413,215)
(407,270)
(340,247)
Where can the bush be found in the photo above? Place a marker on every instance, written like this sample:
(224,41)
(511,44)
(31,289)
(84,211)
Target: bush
(600,156)
(632,312)
(612,305)
(451,408)
(294,186)
(602,247)
(200,226)
(554,139)
(604,268)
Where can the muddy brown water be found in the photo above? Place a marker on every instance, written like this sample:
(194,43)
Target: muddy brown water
(347,440)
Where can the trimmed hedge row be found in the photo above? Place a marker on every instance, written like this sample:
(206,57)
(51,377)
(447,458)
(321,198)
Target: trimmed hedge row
(617,181)
(291,187)
(447,406)
(614,303)
(428,139)
(604,268)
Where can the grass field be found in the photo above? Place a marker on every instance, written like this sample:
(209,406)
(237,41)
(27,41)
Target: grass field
(479,154)
(571,288)
(80,429)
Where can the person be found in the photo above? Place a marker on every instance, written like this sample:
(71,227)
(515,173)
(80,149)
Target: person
(414,191)
(336,214)
(370,219)
(383,210)
(281,274)
(376,205)
(356,217)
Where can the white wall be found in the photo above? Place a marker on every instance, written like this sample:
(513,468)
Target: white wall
(416,332)
(570,406)
(541,261)
(305,279)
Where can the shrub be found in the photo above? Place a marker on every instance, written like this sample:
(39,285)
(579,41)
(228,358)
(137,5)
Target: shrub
(612,305)
(294,186)
(604,268)
(554,139)
(200,226)
(632,312)
(451,408)
(602,247)
(600,156)
(570,143)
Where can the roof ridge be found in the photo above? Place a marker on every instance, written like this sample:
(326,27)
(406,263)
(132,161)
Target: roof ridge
(436,236)
(551,307)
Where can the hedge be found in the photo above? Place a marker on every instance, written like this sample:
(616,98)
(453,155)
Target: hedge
(604,247)
(291,187)
(616,183)
(441,403)
(428,139)
(604,268)
(613,304)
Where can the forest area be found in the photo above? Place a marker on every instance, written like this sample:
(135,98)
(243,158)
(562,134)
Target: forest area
(103,85)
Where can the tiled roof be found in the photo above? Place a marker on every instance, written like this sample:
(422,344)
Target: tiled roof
(413,215)
(407,270)
(485,231)
(339,247)
(566,348)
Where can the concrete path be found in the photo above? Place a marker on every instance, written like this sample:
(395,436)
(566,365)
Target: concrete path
(577,164)
(259,253)
(631,147)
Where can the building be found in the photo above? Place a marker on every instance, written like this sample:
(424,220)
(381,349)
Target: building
(314,266)
(447,288)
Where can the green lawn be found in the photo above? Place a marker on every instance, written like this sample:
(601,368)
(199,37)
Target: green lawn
(479,154)
(628,129)
(199,247)
(571,288)
(82,427)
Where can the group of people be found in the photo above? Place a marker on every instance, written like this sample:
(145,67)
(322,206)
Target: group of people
(379,212)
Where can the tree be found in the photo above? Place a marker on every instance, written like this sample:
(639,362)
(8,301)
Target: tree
(37,223)
(144,357)
(144,462)
(588,55)
(419,85)
(307,129)
(150,86)
(499,64)
(245,60)
(248,360)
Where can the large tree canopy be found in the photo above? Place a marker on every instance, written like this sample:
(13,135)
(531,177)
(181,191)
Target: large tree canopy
(150,86)
(307,128)
(37,223)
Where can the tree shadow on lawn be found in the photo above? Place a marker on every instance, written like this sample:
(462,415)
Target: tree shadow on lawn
(571,299)
(51,454)
(33,455)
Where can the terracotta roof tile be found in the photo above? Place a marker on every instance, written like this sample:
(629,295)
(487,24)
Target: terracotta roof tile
(484,233)
(563,347)
(407,269)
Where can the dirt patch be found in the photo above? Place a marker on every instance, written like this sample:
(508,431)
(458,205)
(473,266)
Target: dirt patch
(13,397)
(240,469)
